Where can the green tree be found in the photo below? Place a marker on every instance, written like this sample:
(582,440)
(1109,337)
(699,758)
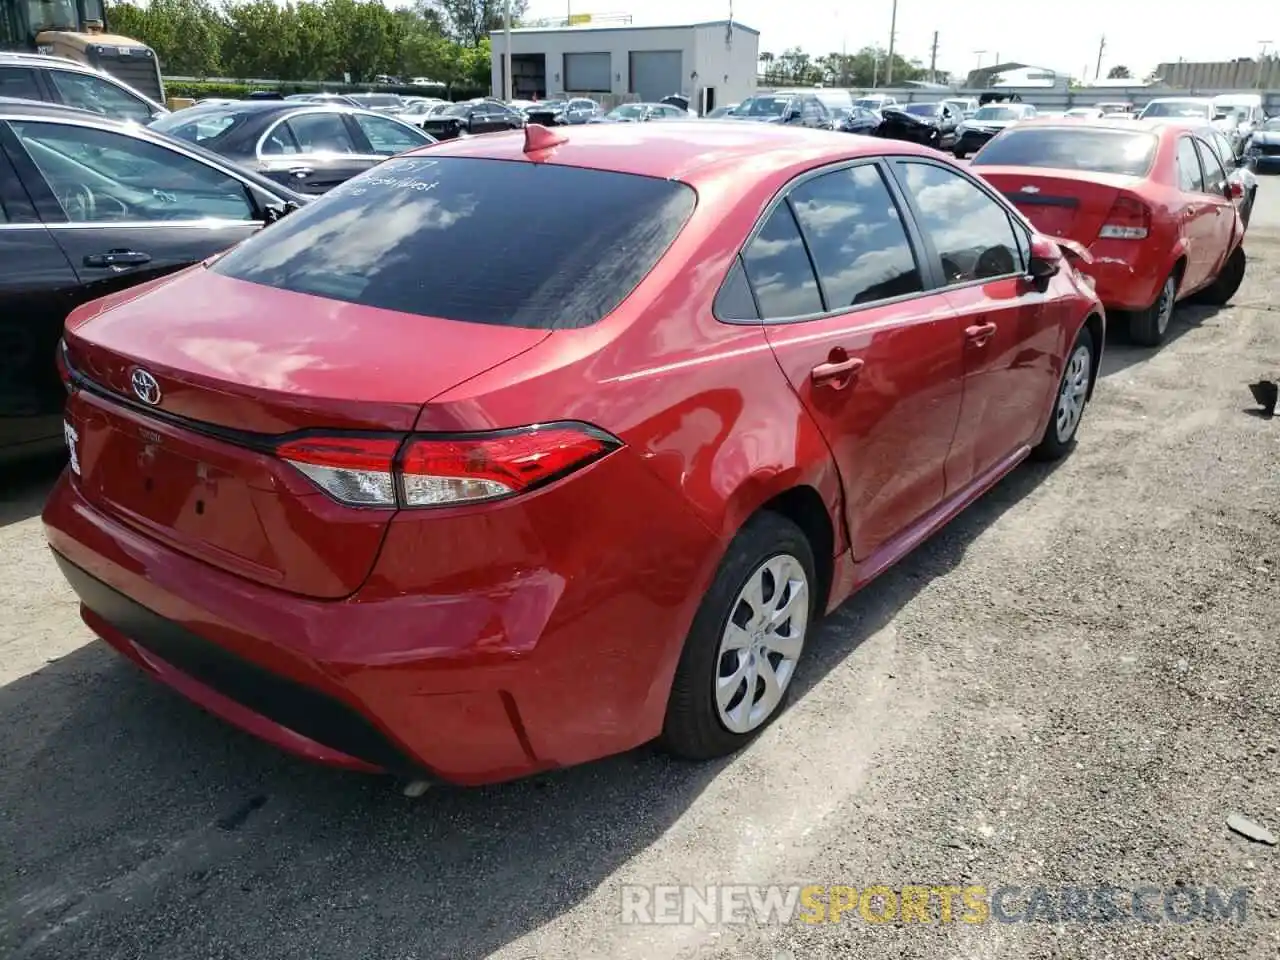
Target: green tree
(1119,72)
(187,35)
(470,21)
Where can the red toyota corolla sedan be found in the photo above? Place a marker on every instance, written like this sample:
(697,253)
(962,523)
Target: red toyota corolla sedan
(1150,200)
(528,449)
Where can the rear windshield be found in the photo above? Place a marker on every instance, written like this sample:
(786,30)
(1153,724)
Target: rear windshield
(1098,151)
(487,241)
(921,109)
(1177,108)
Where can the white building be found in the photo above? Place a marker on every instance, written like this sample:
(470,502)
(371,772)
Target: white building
(715,60)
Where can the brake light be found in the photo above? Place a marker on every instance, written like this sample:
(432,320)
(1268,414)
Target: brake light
(1129,219)
(447,470)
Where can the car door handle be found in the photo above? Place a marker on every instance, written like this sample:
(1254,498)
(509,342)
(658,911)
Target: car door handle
(301,172)
(117,258)
(837,373)
(980,333)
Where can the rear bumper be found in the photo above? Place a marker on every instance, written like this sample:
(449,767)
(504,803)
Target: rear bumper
(514,671)
(1125,276)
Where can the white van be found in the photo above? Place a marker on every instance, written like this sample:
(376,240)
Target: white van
(1247,112)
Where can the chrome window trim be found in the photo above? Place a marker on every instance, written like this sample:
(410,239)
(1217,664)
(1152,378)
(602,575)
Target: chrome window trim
(210,223)
(344,111)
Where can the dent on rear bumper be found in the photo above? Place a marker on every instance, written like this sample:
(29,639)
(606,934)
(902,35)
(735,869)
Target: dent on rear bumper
(483,647)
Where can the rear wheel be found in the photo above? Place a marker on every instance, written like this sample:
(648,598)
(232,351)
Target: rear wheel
(742,651)
(1069,403)
(1227,282)
(1148,327)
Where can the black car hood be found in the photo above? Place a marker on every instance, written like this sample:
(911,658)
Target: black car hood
(891,115)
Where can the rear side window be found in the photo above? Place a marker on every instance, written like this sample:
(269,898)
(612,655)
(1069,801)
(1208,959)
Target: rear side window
(855,234)
(484,241)
(779,269)
(19,82)
(1097,151)
(1190,177)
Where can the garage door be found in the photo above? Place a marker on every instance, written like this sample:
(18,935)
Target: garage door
(656,73)
(588,73)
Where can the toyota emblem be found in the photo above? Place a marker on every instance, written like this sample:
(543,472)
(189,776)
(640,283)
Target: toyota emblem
(145,387)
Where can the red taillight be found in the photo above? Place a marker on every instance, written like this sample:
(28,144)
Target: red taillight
(438,471)
(1129,219)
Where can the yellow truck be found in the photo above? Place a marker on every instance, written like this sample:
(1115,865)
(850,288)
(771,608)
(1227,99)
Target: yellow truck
(77,30)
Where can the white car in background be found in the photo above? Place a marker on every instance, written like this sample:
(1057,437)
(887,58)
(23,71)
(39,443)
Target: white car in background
(1195,108)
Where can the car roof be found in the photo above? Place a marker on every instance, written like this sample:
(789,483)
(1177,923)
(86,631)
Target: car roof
(16,107)
(685,152)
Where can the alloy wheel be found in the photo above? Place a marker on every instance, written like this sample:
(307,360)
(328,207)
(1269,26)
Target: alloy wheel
(761,643)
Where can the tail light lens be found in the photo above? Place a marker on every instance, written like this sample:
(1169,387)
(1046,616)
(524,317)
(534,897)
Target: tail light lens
(446,470)
(1129,219)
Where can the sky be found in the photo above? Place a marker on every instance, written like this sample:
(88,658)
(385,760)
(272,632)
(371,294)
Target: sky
(1059,36)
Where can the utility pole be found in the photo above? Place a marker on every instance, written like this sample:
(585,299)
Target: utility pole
(933,59)
(893,32)
(506,52)
(1102,45)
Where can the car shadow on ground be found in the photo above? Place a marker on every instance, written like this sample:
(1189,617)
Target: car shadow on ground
(1121,353)
(132,817)
(25,485)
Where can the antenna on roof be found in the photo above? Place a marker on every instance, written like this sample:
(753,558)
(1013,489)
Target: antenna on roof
(538,138)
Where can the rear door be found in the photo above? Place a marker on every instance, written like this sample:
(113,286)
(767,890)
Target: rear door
(873,353)
(1224,211)
(1197,216)
(37,290)
(1009,331)
(313,152)
(125,210)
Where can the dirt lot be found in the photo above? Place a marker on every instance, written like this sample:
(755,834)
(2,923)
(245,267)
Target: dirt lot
(1075,683)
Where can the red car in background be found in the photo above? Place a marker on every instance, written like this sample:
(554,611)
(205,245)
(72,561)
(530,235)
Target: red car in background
(1149,199)
(354,489)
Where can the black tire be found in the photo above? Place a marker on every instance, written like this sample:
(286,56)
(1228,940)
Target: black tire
(1057,443)
(1227,282)
(1149,327)
(693,729)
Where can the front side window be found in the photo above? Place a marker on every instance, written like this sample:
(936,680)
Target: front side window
(84,91)
(856,237)
(971,232)
(388,137)
(779,269)
(583,239)
(100,176)
(1190,176)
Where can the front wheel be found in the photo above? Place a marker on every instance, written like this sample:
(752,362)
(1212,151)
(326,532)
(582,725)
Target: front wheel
(746,641)
(1070,400)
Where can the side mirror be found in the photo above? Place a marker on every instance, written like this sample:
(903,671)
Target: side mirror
(1046,260)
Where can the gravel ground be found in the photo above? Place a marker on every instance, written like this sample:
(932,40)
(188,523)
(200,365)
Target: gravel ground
(1075,683)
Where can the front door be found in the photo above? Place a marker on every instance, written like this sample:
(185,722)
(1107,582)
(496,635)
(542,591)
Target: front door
(873,354)
(1009,330)
(37,289)
(126,210)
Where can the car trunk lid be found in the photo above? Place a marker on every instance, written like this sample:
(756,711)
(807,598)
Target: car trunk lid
(178,410)
(1060,203)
